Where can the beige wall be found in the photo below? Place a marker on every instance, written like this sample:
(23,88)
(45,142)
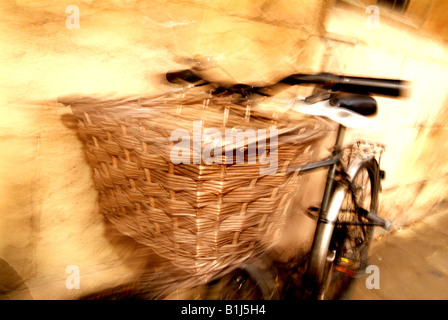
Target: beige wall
(413,129)
(49,217)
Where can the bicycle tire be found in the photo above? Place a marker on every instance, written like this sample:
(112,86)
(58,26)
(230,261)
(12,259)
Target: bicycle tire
(350,243)
(253,281)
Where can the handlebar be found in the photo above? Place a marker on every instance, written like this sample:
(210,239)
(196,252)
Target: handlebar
(364,85)
(361,85)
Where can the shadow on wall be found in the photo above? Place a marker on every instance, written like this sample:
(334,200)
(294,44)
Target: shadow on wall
(11,284)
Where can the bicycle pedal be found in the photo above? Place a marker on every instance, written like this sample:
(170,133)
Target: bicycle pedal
(386,225)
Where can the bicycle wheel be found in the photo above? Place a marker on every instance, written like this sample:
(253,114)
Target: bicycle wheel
(250,282)
(352,234)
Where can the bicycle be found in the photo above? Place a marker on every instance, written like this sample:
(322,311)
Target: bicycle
(348,212)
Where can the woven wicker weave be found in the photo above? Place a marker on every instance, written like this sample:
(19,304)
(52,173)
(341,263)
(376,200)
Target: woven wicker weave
(203,218)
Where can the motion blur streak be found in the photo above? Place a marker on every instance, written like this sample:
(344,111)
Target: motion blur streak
(49,213)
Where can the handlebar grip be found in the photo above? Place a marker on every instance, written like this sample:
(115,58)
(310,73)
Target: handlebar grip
(321,78)
(387,87)
(182,76)
(363,85)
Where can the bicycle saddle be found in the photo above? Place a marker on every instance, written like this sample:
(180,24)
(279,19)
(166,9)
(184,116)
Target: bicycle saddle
(359,103)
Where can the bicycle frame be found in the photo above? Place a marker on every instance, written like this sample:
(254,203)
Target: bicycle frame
(330,207)
(326,220)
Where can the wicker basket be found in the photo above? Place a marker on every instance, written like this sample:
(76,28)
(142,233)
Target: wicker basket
(203,218)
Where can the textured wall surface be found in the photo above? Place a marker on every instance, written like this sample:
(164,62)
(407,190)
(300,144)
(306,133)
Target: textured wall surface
(48,208)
